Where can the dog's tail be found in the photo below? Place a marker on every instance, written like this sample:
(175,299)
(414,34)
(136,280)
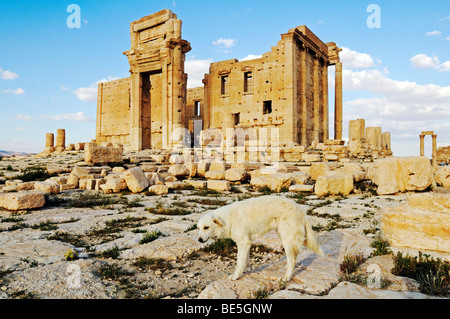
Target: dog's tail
(311,240)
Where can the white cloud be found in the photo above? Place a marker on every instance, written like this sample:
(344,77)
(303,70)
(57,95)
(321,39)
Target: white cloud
(89,94)
(18,91)
(64,88)
(19,129)
(447,38)
(445,67)
(424,61)
(354,60)
(86,94)
(227,43)
(251,57)
(8,75)
(22,117)
(77,117)
(431,33)
(196,70)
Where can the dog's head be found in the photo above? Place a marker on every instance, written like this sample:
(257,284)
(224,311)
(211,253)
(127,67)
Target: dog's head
(210,226)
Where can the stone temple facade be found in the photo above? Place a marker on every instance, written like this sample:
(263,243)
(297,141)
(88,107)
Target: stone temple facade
(283,94)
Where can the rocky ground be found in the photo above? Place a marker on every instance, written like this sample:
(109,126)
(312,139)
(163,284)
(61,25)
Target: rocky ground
(87,244)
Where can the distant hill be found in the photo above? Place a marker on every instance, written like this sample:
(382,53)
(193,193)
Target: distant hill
(9,154)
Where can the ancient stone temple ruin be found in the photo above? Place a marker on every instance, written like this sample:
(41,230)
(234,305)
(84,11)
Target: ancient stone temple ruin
(284,93)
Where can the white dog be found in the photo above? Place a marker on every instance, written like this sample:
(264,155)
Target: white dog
(246,220)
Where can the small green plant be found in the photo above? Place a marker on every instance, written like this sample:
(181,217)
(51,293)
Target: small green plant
(432,274)
(113,272)
(150,236)
(34,173)
(151,263)
(71,255)
(223,247)
(381,247)
(161,210)
(261,293)
(112,253)
(351,262)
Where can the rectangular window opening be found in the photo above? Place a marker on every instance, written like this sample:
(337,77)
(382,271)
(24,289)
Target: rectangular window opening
(267,107)
(224,85)
(197,110)
(248,82)
(237,118)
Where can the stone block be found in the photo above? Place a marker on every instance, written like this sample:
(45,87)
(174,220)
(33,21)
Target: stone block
(399,174)
(22,200)
(442,176)
(307,157)
(135,179)
(95,154)
(114,185)
(218,165)
(215,175)
(423,223)
(202,167)
(48,186)
(298,188)
(335,183)
(158,189)
(196,183)
(218,185)
(300,178)
(236,175)
(180,171)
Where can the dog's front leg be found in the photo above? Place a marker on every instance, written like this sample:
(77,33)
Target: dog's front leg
(242,258)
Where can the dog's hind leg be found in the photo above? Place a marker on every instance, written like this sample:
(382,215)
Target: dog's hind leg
(290,240)
(242,258)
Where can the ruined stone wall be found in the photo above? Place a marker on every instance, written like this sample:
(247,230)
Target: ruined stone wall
(113,112)
(285,89)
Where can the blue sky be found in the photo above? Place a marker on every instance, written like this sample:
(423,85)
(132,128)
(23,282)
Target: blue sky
(396,76)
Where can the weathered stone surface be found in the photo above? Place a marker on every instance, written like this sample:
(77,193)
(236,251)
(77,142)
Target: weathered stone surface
(22,200)
(300,178)
(318,169)
(175,185)
(135,179)
(48,186)
(196,183)
(276,182)
(180,171)
(114,185)
(192,167)
(311,157)
(202,167)
(215,175)
(218,165)
(423,223)
(158,189)
(218,185)
(154,179)
(298,188)
(443,176)
(236,175)
(399,174)
(95,154)
(334,184)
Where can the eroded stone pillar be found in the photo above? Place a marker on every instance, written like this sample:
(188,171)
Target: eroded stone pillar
(433,160)
(325,101)
(304,103)
(60,140)
(422,145)
(356,129)
(49,140)
(386,136)
(338,102)
(316,99)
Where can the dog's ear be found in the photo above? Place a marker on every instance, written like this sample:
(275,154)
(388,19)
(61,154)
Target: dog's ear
(218,222)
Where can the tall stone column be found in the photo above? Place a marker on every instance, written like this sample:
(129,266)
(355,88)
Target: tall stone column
(60,140)
(304,103)
(338,102)
(316,99)
(49,140)
(422,145)
(434,160)
(325,101)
